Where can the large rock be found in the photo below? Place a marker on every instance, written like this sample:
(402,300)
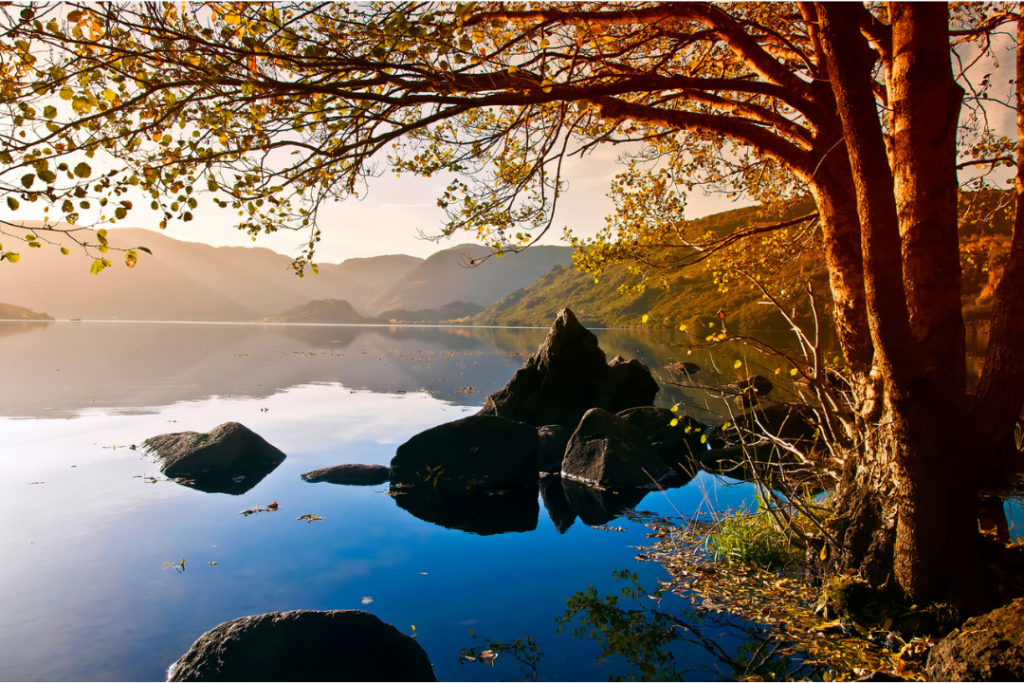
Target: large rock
(986,648)
(476,453)
(304,645)
(680,445)
(609,452)
(553,441)
(228,459)
(568,376)
(351,475)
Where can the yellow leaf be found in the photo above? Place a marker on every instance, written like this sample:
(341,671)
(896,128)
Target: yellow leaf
(674,422)
(12,257)
(794,372)
(675,408)
(738,364)
(130,257)
(645,318)
(682,328)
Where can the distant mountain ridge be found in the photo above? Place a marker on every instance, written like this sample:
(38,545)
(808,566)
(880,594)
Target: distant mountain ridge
(12,312)
(188,281)
(445,277)
(329,311)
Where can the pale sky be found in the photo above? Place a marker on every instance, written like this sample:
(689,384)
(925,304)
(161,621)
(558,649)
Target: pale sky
(388,219)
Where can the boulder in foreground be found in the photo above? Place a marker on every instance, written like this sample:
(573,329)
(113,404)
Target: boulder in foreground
(567,377)
(989,647)
(304,645)
(230,458)
(476,453)
(609,452)
(351,475)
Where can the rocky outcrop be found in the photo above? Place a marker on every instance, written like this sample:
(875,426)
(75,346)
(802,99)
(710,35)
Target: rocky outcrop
(608,452)
(553,441)
(474,454)
(680,445)
(986,648)
(304,645)
(228,459)
(567,377)
(351,475)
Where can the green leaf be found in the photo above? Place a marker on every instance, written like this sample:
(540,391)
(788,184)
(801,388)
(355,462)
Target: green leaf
(64,250)
(120,213)
(145,249)
(12,203)
(83,170)
(50,111)
(28,179)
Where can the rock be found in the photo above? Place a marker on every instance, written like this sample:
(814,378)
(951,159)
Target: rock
(989,647)
(756,385)
(476,453)
(559,509)
(553,441)
(569,375)
(679,449)
(352,475)
(228,459)
(599,506)
(684,368)
(304,645)
(484,514)
(783,421)
(609,452)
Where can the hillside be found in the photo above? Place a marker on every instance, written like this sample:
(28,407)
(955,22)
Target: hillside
(12,312)
(187,281)
(331,311)
(689,296)
(453,312)
(444,277)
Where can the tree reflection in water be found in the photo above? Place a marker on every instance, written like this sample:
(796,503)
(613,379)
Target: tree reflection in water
(635,628)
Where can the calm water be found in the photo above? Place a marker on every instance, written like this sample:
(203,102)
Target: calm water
(84,590)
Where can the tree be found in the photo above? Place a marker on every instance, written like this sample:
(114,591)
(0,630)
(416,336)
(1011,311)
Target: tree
(274,109)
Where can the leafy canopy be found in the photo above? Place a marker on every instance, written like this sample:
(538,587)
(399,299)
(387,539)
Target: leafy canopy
(273,109)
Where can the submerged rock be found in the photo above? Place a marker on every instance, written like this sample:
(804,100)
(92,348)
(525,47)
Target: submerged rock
(351,475)
(989,647)
(484,514)
(230,458)
(476,453)
(304,645)
(609,452)
(568,376)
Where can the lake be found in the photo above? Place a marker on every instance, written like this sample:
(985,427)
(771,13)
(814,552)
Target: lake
(89,587)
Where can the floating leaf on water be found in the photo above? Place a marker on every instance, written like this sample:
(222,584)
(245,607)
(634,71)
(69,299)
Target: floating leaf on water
(309,518)
(272,506)
(212,563)
(366,600)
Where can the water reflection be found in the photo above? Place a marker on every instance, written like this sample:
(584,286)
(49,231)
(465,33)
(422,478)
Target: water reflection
(481,514)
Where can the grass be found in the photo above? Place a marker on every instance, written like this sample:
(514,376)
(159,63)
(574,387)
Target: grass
(753,539)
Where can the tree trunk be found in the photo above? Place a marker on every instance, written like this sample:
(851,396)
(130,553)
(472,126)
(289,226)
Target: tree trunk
(907,506)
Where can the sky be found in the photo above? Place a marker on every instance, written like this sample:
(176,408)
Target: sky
(389,218)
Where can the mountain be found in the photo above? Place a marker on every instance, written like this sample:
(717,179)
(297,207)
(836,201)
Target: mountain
(453,312)
(687,296)
(445,277)
(187,281)
(12,312)
(332,311)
